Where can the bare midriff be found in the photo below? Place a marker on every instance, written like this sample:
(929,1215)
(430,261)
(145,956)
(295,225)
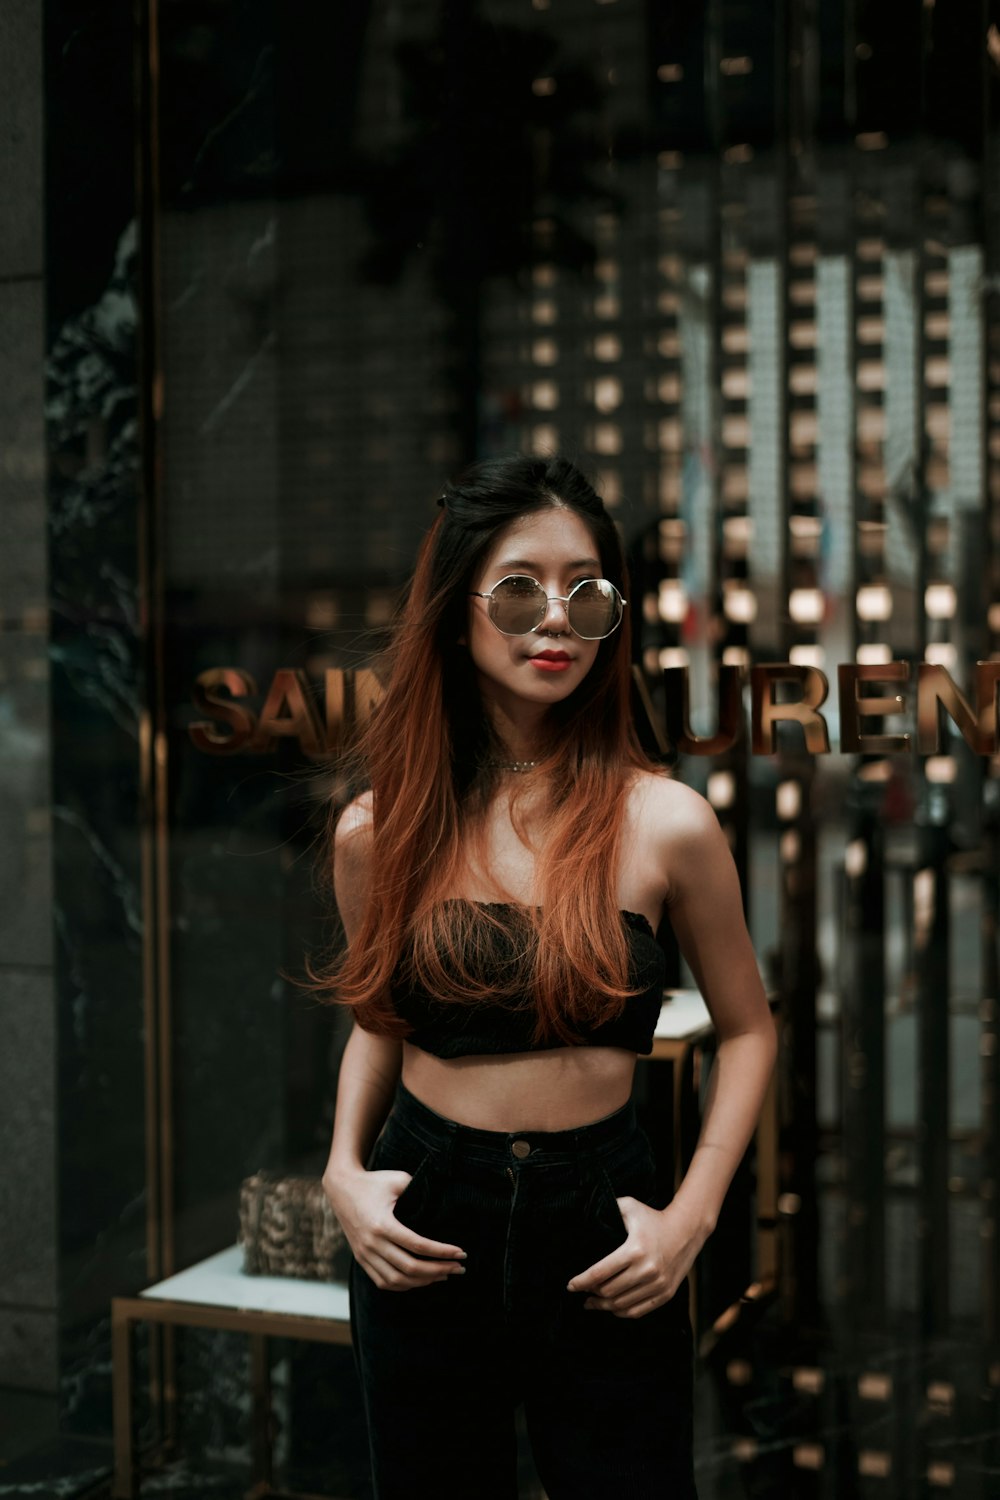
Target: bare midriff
(561,1089)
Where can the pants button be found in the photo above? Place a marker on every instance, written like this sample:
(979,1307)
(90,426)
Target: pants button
(521,1149)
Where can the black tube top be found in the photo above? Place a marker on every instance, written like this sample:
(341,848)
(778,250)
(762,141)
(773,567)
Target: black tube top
(457,1030)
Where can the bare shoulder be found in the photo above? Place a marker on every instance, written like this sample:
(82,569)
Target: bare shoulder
(352,841)
(678,829)
(672,811)
(355,821)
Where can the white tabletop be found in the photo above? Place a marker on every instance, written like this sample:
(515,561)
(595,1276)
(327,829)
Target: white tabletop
(684,1017)
(220,1281)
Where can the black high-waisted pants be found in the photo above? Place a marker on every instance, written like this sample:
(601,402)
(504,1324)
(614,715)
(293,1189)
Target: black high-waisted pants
(608,1401)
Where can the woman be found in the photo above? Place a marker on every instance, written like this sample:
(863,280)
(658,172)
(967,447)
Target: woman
(500,886)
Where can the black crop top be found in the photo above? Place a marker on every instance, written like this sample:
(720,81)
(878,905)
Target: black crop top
(456,1030)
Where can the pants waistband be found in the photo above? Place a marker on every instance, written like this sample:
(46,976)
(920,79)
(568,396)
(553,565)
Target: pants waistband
(549,1146)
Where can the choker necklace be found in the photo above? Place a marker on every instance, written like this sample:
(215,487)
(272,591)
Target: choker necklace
(513,765)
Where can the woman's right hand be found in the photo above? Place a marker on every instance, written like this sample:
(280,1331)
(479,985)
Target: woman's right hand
(393,1256)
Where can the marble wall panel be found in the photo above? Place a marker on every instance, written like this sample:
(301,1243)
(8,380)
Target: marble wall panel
(21,232)
(28,1345)
(22,466)
(27,1142)
(96,686)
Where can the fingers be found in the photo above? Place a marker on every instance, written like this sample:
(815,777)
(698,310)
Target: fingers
(638,1309)
(602,1270)
(392,1270)
(418,1245)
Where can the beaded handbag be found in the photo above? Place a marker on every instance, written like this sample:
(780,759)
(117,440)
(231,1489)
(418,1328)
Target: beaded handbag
(287,1228)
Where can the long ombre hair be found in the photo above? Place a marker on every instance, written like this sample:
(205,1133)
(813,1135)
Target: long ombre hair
(429,756)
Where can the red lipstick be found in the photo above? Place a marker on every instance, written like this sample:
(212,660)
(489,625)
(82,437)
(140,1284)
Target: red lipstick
(551,661)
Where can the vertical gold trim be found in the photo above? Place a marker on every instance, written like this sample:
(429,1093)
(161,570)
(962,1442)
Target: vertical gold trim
(153,832)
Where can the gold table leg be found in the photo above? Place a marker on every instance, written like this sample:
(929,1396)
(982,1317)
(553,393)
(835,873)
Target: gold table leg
(123,1480)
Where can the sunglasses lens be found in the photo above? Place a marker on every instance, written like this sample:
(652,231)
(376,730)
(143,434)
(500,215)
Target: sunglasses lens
(517,605)
(595,607)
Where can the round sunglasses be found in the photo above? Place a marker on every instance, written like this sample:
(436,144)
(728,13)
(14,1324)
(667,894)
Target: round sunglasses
(517,606)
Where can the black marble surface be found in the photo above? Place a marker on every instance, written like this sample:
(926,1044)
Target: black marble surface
(97,686)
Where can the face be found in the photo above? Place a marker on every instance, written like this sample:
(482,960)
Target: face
(554,547)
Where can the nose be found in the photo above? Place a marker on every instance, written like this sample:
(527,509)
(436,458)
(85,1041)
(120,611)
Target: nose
(555,620)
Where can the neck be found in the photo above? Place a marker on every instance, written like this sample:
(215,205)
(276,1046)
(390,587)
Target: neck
(520,736)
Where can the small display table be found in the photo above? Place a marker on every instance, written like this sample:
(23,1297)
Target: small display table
(216,1294)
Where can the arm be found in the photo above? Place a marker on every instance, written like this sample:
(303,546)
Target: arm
(363,1201)
(707,915)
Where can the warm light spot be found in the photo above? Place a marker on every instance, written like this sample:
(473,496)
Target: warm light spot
(735,156)
(379,609)
(668,389)
(806,606)
(672,601)
(607,306)
(606,270)
(544,439)
(744,1449)
(544,352)
(674,72)
(545,395)
(670,435)
(322,612)
(871,140)
(870,330)
(736,384)
(543,87)
(671,540)
(736,656)
(937,372)
(673,656)
(737,533)
(544,310)
(875,654)
(606,437)
(805,655)
(941,1474)
(609,486)
(544,275)
(808,1456)
(942,654)
(874,601)
(873,1464)
(875,1386)
(808,1379)
(739,603)
(669,161)
(940,1393)
(739,1371)
(855,858)
(736,67)
(870,375)
(940,600)
(788,800)
(721,789)
(607,347)
(789,1204)
(940,769)
(607,393)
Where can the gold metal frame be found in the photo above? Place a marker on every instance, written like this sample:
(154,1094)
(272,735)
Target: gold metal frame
(153,763)
(126,1312)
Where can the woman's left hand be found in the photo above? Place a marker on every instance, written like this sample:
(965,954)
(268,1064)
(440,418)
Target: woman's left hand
(647,1269)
